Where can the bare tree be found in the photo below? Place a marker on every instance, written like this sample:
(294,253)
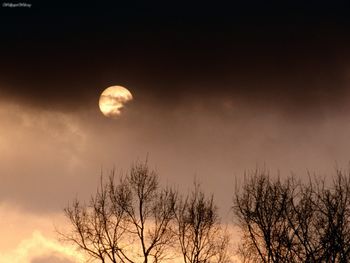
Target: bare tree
(260,212)
(132,215)
(294,222)
(149,210)
(201,236)
(99,227)
(333,218)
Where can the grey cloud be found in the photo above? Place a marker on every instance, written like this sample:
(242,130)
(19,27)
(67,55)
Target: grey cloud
(50,158)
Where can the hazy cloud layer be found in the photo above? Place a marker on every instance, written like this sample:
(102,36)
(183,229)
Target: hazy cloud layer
(28,237)
(49,157)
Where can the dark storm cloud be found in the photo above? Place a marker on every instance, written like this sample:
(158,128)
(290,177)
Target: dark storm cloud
(292,57)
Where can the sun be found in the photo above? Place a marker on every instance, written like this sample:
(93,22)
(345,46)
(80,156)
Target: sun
(113,99)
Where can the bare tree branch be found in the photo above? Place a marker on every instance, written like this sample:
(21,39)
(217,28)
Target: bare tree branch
(294,222)
(201,237)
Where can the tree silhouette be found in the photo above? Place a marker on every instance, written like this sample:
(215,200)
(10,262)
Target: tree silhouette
(294,222)
(201,236)
(124,222)
(133,219)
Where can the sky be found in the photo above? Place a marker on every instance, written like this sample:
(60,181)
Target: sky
(218,91)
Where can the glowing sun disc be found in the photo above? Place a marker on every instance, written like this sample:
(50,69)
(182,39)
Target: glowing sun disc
(113,99)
